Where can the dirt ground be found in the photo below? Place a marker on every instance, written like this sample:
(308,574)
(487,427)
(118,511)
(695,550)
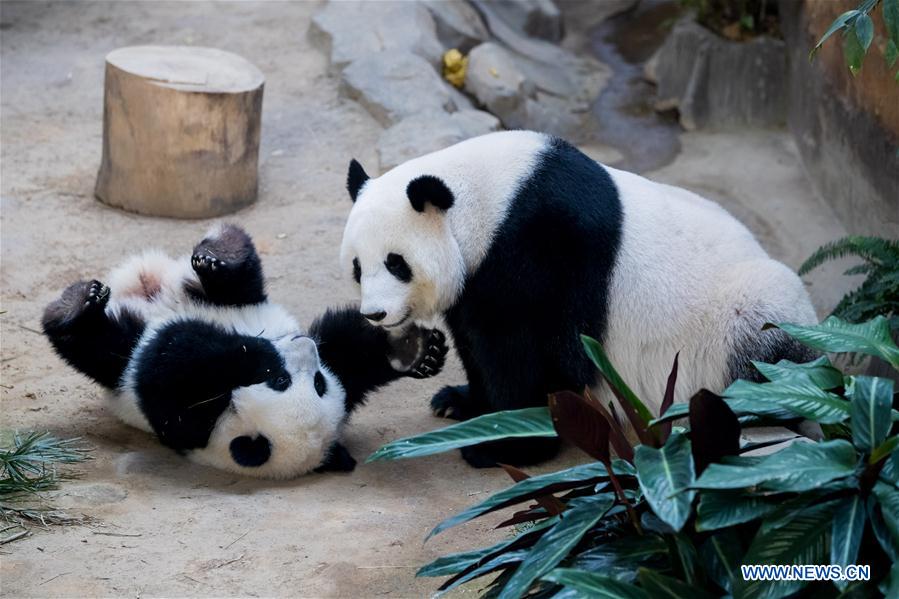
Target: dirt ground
(186,530)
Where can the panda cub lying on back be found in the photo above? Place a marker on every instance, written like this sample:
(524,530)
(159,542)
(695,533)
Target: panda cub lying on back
(194,352)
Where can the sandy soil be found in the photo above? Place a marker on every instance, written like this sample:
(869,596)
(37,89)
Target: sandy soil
(187,530)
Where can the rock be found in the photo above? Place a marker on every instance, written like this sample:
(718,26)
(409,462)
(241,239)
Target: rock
(495,79)
(716,83)
(567,83)
(430,131)
(536,18)
(356,30)
(395,84)
(458,24)
(525,93)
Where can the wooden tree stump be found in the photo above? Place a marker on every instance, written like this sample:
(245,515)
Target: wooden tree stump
(180,131)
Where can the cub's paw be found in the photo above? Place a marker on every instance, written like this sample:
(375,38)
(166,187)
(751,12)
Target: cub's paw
(432,357)
(79,300)
(453,402)
(418,352)
(203,262)
(97,296)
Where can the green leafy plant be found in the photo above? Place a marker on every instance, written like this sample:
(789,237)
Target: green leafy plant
(879,294)
(678,513)
(736,19)
(858,33)
(29,466)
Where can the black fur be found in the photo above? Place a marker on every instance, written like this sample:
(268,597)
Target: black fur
(338,460)
(187,372)
(251,451)
(429,188)
(85,336)
(229,269)
(359,353)
(764,346)
(544,281)
(355,178)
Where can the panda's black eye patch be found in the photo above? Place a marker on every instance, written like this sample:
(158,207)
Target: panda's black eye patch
(397,266)
(357,270)
(280,382)
(321,385)
(249,451)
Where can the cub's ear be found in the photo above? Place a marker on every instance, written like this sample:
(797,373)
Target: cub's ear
(355,178)
(429,188)
(251,451)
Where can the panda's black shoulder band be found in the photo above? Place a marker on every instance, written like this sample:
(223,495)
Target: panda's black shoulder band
(428,188)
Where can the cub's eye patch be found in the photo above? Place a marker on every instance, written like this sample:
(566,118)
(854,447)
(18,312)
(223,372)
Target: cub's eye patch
(281,382)
(397,266)
(321,385)
(357,270)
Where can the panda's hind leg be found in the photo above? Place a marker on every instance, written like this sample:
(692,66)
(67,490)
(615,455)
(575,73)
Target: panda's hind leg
(454,402)
(229,268)
(85,335)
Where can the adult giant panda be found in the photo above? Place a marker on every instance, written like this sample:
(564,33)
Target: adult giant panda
(194,352)
(523,243)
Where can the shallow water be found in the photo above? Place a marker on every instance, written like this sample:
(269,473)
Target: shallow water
(624,111)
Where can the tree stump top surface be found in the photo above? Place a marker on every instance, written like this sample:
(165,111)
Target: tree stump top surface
(189,68)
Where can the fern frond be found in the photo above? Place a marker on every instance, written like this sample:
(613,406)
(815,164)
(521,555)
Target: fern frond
(871,249)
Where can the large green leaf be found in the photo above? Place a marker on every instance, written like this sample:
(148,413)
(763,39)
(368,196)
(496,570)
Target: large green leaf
(802,466)
(864,30)
(890,471)
(595,585)
(804,399)
(721,554)
(723,509)
(838,24)
(621,557)
(503,560)
(598,356)
(846,532)
(658,585)
(556,543)
(528,422)
(578,476)
(835,335)
(666,475)
(888,497)
(881,531)
(741,407)
(872,399)
(802,540)
(891,19)
(819,372)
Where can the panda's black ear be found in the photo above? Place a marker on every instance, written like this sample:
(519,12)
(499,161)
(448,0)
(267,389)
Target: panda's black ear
(429,188)
(355,178)
(251,451)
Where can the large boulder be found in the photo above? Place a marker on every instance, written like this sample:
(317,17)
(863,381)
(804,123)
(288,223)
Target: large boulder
(458,24)
(535,18)
(716,83)
(352,31)
(527,93)
(395,84)
(428,132)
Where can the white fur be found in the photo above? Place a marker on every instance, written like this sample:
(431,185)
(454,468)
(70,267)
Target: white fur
(689,277)
(300,425)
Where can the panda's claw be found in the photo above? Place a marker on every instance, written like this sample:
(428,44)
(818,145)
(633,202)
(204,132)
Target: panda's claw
(431,363)
(97,295)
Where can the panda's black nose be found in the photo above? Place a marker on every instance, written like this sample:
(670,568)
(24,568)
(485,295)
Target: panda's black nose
(375,316)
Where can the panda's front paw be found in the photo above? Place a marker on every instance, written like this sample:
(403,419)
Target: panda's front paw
(417,352)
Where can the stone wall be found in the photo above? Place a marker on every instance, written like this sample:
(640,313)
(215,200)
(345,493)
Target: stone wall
(847,128)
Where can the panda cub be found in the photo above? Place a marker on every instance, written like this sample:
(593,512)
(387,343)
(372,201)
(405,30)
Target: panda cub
(523,243)
(194,352)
